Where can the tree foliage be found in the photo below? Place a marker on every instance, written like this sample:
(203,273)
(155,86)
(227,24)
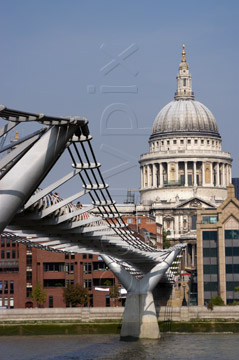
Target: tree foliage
(74,295)
(215,301)
(38,294)
(166,242)
(114,293)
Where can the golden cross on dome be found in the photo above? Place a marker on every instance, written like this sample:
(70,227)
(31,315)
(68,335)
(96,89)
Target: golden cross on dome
(183,54)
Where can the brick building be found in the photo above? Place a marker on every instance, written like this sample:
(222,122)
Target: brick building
(150,231)
(21,267)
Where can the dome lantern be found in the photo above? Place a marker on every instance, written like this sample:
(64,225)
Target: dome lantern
(184,80)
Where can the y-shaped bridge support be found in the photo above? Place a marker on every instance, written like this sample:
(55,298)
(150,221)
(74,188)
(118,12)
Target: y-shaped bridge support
(139,318)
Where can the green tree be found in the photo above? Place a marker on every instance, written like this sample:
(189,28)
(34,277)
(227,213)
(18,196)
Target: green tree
(215,301)
(114,293)
(166,242)
(38,294)
(236,289)
(74,295)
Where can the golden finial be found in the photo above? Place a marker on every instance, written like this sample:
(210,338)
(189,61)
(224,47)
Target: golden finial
(183,54)
(17,136)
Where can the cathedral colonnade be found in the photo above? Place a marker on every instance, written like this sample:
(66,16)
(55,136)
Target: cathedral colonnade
(185,173)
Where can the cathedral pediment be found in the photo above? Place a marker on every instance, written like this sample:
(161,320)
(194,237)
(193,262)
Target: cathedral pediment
(195,203)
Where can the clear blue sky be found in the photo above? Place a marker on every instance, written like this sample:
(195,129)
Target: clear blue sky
(54,56)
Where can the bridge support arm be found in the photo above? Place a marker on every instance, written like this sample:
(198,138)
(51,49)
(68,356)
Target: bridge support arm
(139,318)
(25,176)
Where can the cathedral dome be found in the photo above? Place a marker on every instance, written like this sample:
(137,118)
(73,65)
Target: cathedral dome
(185,116)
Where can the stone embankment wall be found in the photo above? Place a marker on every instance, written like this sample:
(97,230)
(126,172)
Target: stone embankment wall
(96,314)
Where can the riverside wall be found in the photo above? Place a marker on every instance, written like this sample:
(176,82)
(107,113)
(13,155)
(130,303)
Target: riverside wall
(86,315)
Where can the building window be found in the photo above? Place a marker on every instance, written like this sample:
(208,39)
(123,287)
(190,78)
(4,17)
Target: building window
(175,141)
(5,287)
(168,142)
(139,221)
(29,276)
(87,268)
(50,301)
(231,234)
(0,286)
(13,243)
(54,283)
(209,219)
(208,142)
(161,142)
(195,141)
(2,242)
(129,221)
(11,302)
(90,256)
(98,266)
(210,269)
(189,141)
(66,256)
(6,301)
(11,286)
(232,251)
(202,142)
(28,291)
(194,222)
(13,254)
(210,235)
(181,141)
(107,301)
(54,267)
(2,254)
(184,82)
(210,286)
(84,256)
(29,259)
(8,242)
(232,268)
(8,254)
(210,252)
(0,301)
(88,284)
(69,282)
(70,268)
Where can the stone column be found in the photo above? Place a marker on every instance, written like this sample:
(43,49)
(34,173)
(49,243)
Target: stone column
(148,175)
(193,255)
(212,173)
(226,174)
(161,174)
(142,177)
(154,175)
(195,173)
(186,173)
(217,175)
(145,175)
(186,256)
(203,173)
(223,174)
(176,165)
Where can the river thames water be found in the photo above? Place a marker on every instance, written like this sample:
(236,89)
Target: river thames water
(107,347)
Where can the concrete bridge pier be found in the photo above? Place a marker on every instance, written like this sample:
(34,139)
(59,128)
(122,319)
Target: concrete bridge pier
(139,318)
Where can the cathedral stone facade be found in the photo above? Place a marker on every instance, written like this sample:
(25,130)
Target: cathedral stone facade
(185,168)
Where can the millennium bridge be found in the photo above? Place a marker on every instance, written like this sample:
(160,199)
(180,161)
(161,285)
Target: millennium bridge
(39,217)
